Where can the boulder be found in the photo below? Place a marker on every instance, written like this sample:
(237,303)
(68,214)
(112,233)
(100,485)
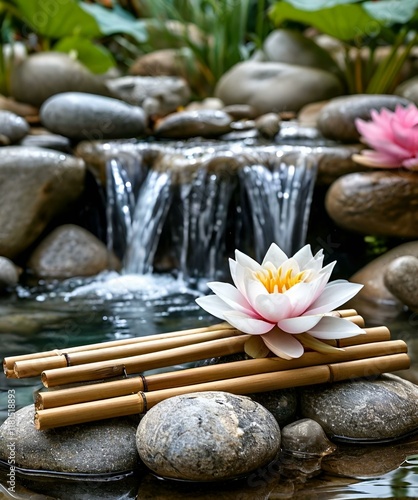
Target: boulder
(276,87)
(36,184)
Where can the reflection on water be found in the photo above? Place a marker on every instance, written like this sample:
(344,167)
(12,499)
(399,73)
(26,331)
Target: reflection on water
(112,306)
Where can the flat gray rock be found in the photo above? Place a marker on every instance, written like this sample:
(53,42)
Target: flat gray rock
(195,123)
(101,447)
(207,436)
(380,409)
(78,115)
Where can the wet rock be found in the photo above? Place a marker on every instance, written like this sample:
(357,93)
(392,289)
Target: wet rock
(292,47)
(207,436)
(79,115)
(376,202)
(240,111)
(156,95)
(36,184)
(12,128)
(401,279)
(372,277)
(336,161)
(281,404)
(380,409)
(276,87)
(304,444)
(70,251)
(9,274)
(49,141)
(101,447)
(336,119)
(268,125)
(185,124)
(164,62)
(45,74)
(207,103)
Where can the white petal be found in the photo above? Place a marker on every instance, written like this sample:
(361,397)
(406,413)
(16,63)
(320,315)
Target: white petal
(214,305)
(233,271)
(231,296)
(275,255)
(273,306)
(335,328)
(303,256)
(253,289)
(334,295)
(246,261)
(242,275)
(299,324)
(301,297)
(248,324)
(283,344)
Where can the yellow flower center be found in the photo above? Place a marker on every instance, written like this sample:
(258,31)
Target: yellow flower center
(277,281)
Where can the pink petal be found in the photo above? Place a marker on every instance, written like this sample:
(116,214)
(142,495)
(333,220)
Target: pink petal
(405,137)
(273,306)
(371,158)
(334,295)
(247,324)
(412,163)
(231,296)
(299,324)
(282,344)
(335,328)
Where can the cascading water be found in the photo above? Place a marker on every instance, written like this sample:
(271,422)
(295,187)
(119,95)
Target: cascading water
(198,203)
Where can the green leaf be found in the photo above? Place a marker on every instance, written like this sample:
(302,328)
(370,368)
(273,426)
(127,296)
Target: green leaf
(345,22)
(115,21)
(95,57)
(57,19)
(392,11)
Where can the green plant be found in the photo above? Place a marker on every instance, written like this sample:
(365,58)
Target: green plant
(75,27)
(216,32)
(360,24)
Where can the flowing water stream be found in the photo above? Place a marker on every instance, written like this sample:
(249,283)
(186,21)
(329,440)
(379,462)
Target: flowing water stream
(175,214)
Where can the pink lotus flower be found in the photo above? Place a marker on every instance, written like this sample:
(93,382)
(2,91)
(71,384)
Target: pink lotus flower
(393,135)
(281,299)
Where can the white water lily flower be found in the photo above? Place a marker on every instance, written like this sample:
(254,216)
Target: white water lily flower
(281,298)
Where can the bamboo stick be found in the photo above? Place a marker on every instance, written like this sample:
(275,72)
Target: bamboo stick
(140,402)
(8,362)
(34,367)
(143,362)
(190,376)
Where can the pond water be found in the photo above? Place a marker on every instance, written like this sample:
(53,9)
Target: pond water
(114,306)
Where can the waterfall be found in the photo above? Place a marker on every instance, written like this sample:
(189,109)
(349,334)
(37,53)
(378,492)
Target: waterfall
(197,204)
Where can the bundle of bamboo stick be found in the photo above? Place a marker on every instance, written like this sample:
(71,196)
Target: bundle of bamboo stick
(363,355)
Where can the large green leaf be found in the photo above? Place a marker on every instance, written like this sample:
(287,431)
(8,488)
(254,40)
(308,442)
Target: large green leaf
(116,20)
(57,19)
(345,22)
(318,4)
(392,11)
(96,57)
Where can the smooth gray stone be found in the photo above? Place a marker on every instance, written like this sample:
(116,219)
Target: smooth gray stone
(12,128)
(281,404)
(384,408)
(199,122)
(401,279)
(207,436)
(9,273)
(336,120)
(106,446)
(78,115)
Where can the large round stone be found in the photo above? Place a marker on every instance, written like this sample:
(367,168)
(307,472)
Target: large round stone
(401,279)
(42,75)
(207,436)
(100,447)
(69,251)
(276,87)
(78,115)
(384,408)
(36,184)
(336,120)
(377,202)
